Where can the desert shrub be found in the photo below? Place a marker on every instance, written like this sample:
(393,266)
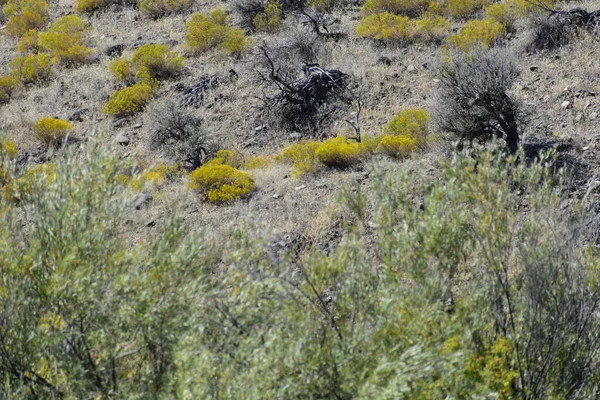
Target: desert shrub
(221,183)
(227,157)
(177,132)
(340,152)
(386,26)
(157,176)
(25,15)
(323,5)
(256,162)
(410,8)
(160,8)
(64,41)
(432,28)
(122,70)
(155,61)
(477,33)
(205,32)
(412,123)
(89,6)
(302,156)
(464,8)
(397,146)
(7,86)
(471,99)
(558,29)
(8,147)
(28,44)
(33,68)
(128,101)
(52,131)
(270,19)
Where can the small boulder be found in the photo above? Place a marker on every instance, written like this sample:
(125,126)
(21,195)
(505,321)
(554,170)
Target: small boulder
(565,104)
(123,139)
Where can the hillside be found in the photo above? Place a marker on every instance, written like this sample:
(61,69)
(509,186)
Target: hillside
(322,199)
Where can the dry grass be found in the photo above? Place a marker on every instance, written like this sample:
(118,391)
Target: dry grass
(392,78)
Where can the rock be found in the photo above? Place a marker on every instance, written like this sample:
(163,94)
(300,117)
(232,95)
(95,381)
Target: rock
(579,117)
(150,223)
(115,50)
(300,187)
(123,139)
(275,196)
(121,122)
(137,126)
(78,115)
(295,136)
(260,128)
(598,159)
(593,115)
(140,200)
(533,68)
(436,80)
(565,104)
(586,148)
(171,42)
(411,69)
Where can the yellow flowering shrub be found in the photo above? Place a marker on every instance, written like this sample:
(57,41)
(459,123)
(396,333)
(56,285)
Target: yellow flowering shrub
(121,69)
(302,156)
(205,32)
(7,86)
(155,62)
(24,15)
(157,176)
(89,6)
(257,162)
(51,131)
(322,5)
(432,28)
(477,33)
(29,42)
(221,183)
(159,8)
(397,146)
(64,41)
(8,147)
(412,122)
(386,26)
(339,152)
(402,7)
(128,101)
(227,157)
(270,19)
(33,68)
(509,12)
(464,8)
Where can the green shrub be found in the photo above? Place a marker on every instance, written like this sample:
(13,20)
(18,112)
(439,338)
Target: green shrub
(410,8)
(34,68)
(270,19)
(221,183)
(413,123)
(205,32)
(8,147)
(386,26)
(257,162)
(128,101)
(155,62)
(52,131)
(397,146)
(509,12)
(157,176)
(64,41)
(25,15)
(339,152)
(322,5)
(477,33)
(302,156)
(7,86)
(160,8)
